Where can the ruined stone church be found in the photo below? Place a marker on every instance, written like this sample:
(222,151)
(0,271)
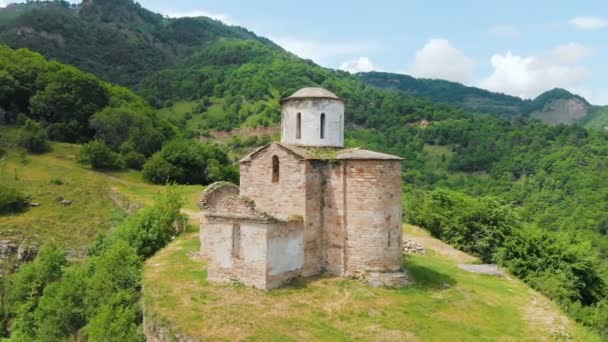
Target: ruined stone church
(306,205)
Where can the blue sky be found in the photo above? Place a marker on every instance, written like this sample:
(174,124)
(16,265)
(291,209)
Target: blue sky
(518,47)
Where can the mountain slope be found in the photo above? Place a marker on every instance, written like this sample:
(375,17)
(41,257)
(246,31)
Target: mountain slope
(597,119)
(552,107)
(117,40)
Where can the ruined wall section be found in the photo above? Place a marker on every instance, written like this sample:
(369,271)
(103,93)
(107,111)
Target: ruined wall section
(285,252)
(373,216)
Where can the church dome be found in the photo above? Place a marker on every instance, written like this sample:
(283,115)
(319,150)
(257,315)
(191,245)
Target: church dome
(312,93)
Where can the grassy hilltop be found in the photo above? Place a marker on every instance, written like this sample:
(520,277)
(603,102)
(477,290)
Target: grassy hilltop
(444,303)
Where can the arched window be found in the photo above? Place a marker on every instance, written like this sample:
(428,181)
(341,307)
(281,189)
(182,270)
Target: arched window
(299,126)
(322,125)
(275,169)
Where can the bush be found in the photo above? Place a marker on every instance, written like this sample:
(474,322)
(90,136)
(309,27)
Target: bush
(98,299)
(159,171)
(67,131)
(152,228)
(100,156)
(555,264)
(189,162)
(32,137)
(475,226)
(134,160)
(11,200)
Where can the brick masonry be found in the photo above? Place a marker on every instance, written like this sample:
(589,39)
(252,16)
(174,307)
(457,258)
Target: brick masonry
(337,216)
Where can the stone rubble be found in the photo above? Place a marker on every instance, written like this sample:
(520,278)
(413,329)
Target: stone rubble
(411,247)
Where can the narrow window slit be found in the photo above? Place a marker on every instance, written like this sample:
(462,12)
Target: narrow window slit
(323,126)
(275,169)
(299,126)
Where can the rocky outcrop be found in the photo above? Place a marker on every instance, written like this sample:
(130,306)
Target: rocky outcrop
(411,247)
(156,332)
(15,250)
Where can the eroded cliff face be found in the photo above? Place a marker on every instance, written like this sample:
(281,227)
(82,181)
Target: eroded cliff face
(15,250)
(154,331)
(562,111)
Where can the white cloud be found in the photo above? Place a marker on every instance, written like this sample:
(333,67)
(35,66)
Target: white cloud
(439,59)
(596,96)
(504,31)
(529,76)
(320,51)
(201,13)
(4,3)
(362,64)
(589,23)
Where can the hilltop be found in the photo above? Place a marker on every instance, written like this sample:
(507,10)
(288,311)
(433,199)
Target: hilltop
(551,178)
(553,107)
(444,302)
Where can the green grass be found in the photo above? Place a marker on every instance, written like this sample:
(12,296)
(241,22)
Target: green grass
(444,304)
(57,174)
(437,157)
(48,178)
(199,121)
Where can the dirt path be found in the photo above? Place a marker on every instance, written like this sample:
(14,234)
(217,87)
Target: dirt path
(540,313)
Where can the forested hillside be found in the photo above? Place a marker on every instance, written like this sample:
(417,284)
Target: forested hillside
(510,189)
(117,40)
(553,107)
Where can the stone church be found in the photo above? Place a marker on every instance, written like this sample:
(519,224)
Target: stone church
(306,206)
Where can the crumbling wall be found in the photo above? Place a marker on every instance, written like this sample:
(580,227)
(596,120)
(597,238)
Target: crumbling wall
(285,252)
(208,201)
(249,267)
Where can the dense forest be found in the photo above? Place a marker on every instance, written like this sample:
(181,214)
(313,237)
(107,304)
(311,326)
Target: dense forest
(531,197)
(117,40)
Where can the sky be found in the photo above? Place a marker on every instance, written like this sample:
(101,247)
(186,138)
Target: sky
(521,48)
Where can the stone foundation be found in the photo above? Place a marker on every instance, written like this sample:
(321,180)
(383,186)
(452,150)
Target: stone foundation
(389,280)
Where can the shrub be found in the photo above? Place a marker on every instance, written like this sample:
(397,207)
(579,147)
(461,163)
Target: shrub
(153,227)
(32,137)
(134,160)
(67,131)
(474,226)
(11,200)
(159,171)
(100,156)
(555,264)
(98,299)
(189,162)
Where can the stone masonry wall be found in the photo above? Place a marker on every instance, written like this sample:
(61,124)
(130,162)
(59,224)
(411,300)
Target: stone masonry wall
(250,267)
(333,218)
(373,216)
(282,199)
(285,252)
